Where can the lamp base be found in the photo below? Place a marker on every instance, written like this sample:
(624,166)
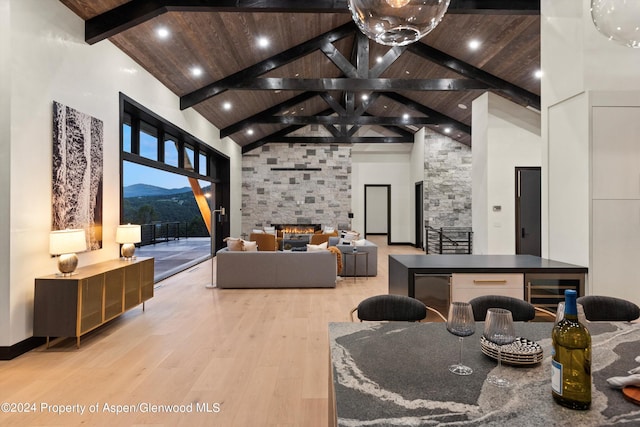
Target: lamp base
(67,264)
(127,251)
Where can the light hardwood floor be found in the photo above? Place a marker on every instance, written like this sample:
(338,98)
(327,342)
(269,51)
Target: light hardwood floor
(260,356)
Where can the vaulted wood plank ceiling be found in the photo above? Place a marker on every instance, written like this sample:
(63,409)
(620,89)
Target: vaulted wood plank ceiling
(317,65)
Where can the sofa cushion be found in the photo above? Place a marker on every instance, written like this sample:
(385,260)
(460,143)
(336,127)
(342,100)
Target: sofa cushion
(320,247)
(249,246)
(234,243)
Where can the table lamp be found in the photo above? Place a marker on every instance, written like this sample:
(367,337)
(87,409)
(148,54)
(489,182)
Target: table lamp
(64,244)
(128,235)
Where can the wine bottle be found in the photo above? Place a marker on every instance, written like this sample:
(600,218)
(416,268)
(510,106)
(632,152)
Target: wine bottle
(571,358)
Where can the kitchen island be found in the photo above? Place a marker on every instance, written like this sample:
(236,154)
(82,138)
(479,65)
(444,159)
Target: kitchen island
(440,279)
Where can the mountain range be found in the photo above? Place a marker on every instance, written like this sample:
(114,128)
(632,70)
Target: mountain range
(145,190)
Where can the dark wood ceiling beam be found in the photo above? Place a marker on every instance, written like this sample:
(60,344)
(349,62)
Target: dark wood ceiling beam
(135,12)
(328,84)
(342,139)
(387,60)
(443,119)
(443,59)
(351,120)
(366,104)
(276,109)
(262,67)
(279,134)
(339,60)
(331,102)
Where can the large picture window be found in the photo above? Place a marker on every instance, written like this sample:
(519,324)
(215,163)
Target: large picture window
(171,183)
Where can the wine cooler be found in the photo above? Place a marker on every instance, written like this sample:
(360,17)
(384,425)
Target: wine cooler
(546,290)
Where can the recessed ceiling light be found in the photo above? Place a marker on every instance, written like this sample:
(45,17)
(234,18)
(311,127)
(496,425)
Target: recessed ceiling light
(447,130)
(162,32)
(196,71)
(249,131)
(226,106)
(364,97)
(405,116)
(407,72)
(462,106)
(474,44)
(263,42)
(379,59)
(538,74)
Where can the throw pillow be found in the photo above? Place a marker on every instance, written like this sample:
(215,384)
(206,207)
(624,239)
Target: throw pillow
(234,243)
(316,248)
(351,235)
(249,246)
(361,242)
(270,230)
(329,230)
(257,231)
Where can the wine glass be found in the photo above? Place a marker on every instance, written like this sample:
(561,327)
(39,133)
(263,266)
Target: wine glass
(460,322)
(498,329)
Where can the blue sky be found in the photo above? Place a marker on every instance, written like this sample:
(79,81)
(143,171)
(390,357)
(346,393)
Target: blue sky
(137,174)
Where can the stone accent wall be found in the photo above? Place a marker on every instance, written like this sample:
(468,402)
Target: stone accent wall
(447,182)
(296,196)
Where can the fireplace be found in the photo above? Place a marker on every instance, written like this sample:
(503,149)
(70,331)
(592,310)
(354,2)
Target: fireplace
(298,228)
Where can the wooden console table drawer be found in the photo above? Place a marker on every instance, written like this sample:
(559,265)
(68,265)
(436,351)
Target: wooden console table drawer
(71,306)
(466,286)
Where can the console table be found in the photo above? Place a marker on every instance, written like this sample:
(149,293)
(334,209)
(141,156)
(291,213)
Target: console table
(71,306)
(540,281)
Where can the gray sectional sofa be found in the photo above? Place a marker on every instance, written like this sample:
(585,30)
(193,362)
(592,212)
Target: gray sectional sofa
(236,269)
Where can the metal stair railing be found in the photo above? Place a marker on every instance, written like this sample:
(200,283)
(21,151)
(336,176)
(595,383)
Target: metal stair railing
(449,240)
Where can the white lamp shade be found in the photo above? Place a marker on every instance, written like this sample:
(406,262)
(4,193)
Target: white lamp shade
(129,233)
(67,241)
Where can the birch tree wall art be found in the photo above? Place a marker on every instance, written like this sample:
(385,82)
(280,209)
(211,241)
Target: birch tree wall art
(77,173)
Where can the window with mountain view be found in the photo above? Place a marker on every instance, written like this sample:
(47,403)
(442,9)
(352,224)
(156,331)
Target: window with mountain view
(169,184)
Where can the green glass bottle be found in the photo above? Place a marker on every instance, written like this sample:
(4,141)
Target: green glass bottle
(571,358)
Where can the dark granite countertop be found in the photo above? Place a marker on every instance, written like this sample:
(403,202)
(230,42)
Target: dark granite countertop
(388,374)
(485,263)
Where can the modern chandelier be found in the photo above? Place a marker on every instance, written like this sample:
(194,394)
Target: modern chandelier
(618,20)
(397,22)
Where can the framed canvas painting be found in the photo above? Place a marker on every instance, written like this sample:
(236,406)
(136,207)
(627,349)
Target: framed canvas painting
(77,173)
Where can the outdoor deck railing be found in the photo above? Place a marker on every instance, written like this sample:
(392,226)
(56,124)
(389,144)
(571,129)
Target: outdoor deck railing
(159,232)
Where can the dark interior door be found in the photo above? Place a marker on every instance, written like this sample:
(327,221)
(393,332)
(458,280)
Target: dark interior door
(419,225)
(528,211)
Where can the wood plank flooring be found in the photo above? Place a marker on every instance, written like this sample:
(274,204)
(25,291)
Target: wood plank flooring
(229,357)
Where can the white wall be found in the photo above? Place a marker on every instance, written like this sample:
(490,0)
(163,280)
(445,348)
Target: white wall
(5,163)
(582,69)
(510,138)
(384,164)
(50,61)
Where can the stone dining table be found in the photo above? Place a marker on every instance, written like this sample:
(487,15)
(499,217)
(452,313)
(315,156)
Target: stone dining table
(396,374)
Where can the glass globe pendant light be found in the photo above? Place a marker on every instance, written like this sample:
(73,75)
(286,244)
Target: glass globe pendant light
(619,20)
(397,22)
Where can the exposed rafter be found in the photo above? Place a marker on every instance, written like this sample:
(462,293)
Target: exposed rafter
(256,70)
(347,113)
(438,57)
(135,12)
(355,84)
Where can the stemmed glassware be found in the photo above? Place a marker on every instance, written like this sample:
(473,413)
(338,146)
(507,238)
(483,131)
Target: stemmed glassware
(498,328)
(460,322)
